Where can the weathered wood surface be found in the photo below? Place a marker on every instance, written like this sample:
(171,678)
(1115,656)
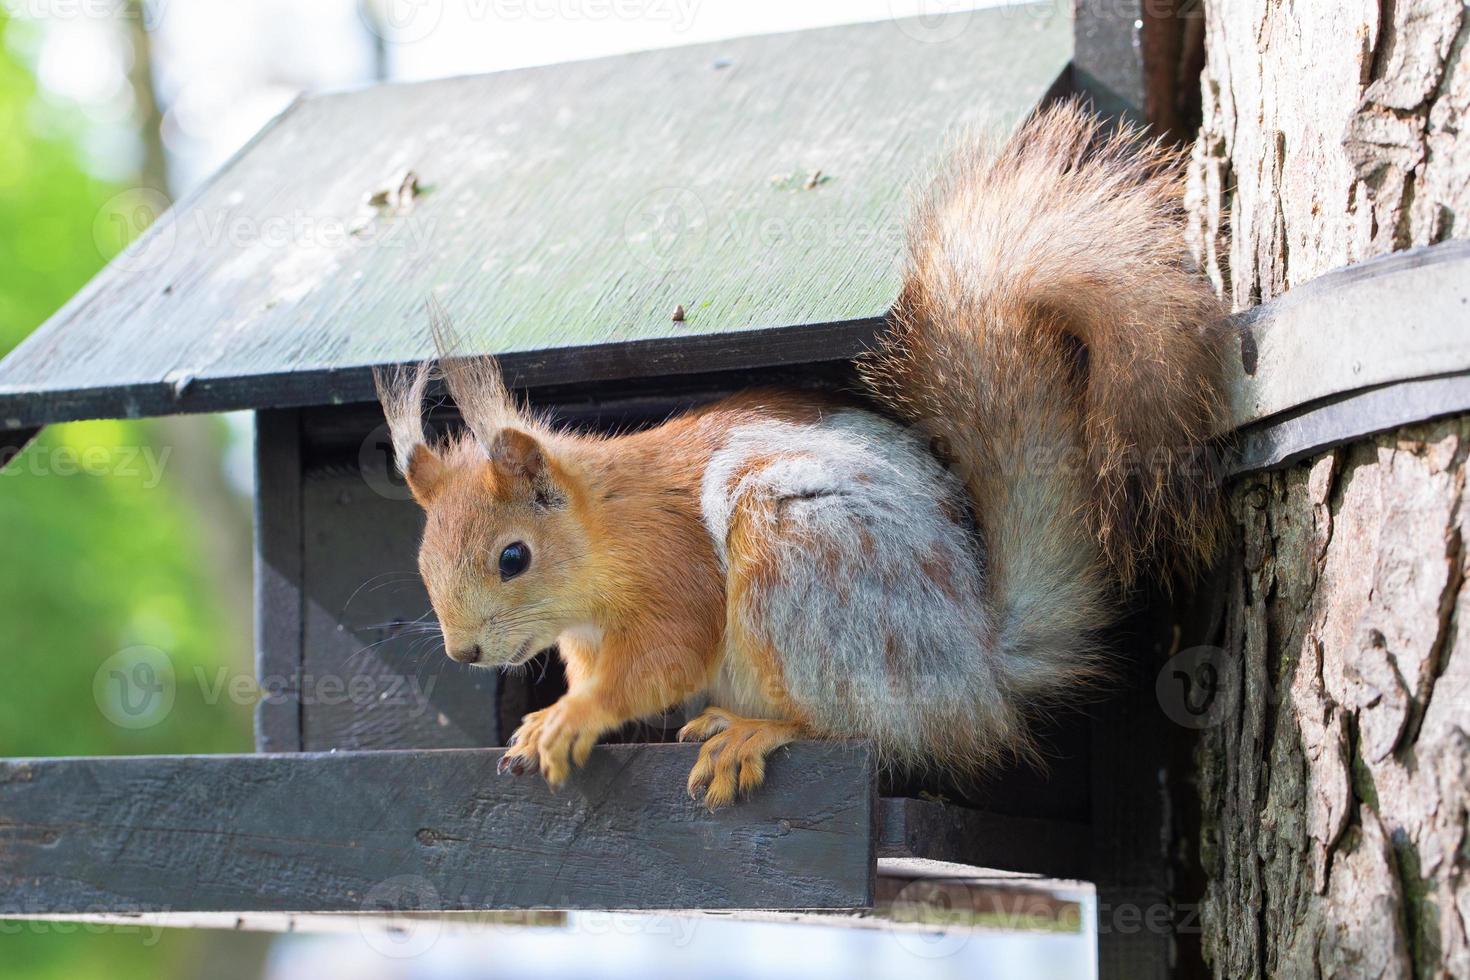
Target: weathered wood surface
(437,830)
(279,552)
(561,207)
(1108,60)
(1333,778)
(373,670)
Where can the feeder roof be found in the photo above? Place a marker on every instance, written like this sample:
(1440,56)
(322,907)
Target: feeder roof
(560,214)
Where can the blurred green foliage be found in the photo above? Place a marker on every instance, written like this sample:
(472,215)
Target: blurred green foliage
(98,554)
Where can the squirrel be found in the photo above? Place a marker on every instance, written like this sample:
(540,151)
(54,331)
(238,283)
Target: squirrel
(925,571)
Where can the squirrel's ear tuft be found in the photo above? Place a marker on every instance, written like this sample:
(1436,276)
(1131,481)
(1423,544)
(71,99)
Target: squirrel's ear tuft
(424,474)
(474,382)
(401,392)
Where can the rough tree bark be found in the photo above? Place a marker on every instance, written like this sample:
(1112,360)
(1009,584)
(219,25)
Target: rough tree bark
(1334,790)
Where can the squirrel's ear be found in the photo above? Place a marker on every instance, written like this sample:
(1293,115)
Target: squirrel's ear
(517,455)
(522,468)
(424,474)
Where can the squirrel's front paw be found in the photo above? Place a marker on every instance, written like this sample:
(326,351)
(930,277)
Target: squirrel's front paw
(553,740)
(734,757)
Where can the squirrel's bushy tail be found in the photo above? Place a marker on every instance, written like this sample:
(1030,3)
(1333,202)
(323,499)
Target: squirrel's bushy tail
(1053,339)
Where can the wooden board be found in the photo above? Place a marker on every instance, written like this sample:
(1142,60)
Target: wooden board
(279,553)
(373,668)
(759,182)
(429,831)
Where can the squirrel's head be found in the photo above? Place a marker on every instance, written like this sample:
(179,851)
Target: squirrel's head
(503,545)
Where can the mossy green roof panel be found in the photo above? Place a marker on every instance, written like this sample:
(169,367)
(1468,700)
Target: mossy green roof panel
(560,214)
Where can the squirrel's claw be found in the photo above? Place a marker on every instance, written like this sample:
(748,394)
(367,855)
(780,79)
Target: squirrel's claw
(554,740)
(522,755)
(733,760)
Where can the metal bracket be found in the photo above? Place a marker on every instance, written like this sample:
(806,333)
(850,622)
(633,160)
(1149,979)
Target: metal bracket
(1361,350)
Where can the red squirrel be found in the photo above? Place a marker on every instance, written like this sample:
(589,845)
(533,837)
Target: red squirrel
(924,577)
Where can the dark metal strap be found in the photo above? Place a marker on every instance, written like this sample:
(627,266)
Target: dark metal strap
(1312,431)
(1358,351)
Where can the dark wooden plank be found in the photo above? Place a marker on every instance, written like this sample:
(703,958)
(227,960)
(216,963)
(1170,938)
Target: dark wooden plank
(922,836)
(1130,833)
(612,361)
(565,206)
(14,441)
(279,547)
(345,832)
(1108,61)
(373,666)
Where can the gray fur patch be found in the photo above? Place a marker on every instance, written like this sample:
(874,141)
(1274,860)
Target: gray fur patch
(876,606)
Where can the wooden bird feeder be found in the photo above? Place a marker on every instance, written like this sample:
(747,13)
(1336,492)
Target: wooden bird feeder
(559,214)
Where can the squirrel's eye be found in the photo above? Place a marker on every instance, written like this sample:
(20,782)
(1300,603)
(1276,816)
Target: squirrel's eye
(516,558)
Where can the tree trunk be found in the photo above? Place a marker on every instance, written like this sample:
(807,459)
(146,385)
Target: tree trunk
(1334,789)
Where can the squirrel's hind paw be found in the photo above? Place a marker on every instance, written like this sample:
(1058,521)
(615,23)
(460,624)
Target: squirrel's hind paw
(733,760)
(711,721)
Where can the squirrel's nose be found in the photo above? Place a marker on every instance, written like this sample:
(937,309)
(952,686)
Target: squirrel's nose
(467,655)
